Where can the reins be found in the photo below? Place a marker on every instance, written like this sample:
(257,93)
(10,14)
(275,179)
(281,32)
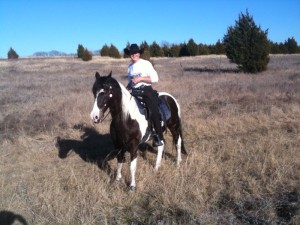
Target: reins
(104,117)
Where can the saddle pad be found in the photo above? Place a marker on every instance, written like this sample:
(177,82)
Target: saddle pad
(164,110)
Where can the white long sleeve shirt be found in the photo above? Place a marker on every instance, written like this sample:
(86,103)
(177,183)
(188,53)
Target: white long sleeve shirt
(141,68)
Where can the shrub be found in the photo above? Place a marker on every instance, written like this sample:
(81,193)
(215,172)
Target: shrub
(11,54)
(87,56)
(247,45)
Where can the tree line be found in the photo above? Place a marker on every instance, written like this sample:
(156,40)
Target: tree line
(191,48)
(166,49)
(245,44)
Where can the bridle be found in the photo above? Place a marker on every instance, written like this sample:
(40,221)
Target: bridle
(110,96)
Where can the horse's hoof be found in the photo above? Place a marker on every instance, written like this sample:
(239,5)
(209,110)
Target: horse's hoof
(132,189)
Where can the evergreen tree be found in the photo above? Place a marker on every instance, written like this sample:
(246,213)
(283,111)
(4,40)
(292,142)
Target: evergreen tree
(80,51)
(145,46)
(291,45)
(11,54)
(155,50)
(127,46)
(166,49)
(275,48)
(203,49)
(175,50)
(192,48)
(219,48)
(114,52)
(247,45)
(183,50)
(146,55)
(105,50)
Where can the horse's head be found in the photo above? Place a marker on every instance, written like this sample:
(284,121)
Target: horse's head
(104,91)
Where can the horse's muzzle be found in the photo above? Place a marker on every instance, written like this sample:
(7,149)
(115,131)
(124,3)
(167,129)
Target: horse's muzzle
(97,117)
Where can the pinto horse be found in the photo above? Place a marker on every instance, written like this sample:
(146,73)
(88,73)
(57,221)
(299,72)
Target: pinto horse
(128,127)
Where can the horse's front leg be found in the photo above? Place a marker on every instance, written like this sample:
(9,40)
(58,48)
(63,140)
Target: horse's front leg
(160,150)
(133,163)
(121,160)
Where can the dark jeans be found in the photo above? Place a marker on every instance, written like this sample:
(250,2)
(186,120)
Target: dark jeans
(150,97)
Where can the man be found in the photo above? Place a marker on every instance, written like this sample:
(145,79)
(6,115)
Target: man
(141,75)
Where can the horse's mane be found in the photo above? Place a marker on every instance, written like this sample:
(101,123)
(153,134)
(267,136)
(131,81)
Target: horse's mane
(129,105)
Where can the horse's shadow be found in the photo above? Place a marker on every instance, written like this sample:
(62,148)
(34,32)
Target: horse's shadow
(9,218)
(92,147)
(97,148)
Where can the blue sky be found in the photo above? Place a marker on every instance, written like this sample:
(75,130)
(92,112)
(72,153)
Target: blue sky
(29,26)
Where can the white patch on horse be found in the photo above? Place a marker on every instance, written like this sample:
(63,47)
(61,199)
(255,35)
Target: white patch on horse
(130,107)
(95,114)
(133,164)
(119,171)
(160,150)
(178,145)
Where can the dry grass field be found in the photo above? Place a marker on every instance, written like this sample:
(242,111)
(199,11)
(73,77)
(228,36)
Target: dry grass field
(242,133)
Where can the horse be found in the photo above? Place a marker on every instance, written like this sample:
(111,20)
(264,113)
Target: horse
(128,128)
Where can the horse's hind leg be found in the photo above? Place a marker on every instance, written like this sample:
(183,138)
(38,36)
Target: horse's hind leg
(178,142)
(178,147)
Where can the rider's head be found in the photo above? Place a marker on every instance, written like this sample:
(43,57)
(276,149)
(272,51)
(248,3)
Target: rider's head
(134,51)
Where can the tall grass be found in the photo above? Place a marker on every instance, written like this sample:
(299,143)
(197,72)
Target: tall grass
(241,133)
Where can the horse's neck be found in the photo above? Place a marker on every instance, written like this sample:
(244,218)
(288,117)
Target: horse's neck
(129,106)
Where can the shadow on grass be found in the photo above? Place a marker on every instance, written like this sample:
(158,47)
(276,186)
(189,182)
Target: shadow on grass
(212,70)
(92,147)
(97,148)
(8,218)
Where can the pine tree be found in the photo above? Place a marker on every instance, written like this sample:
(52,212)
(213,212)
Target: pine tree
(175,50)
(192,48)
(183,50)
(291,45)
(247,45)
(11,54)
(104,51)
(146,55)
(219,48)
(166,49)
(155,50)
(127,47)
(114,52)
(80,51)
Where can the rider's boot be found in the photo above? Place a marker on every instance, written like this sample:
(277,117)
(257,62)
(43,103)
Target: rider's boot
(157,141)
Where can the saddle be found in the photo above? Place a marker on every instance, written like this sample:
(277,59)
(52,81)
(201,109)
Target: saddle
(164,111)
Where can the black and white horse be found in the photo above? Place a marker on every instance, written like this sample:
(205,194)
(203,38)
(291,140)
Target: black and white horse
(128,126)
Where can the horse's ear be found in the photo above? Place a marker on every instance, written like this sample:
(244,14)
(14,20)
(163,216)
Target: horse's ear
(109,75)
(97,75)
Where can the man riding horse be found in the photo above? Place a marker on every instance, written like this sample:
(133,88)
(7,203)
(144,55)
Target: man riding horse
(141,75)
